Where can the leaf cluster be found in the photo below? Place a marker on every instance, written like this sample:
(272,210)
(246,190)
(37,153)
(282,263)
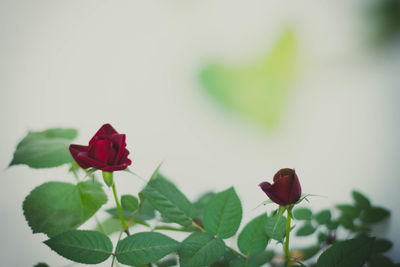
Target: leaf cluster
(58,209)
(357,219)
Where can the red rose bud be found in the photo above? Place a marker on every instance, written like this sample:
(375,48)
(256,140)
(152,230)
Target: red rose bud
(106,151)
(285,190)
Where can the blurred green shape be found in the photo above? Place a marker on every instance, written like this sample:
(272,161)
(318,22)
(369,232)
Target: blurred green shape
(258,90)
(383,18)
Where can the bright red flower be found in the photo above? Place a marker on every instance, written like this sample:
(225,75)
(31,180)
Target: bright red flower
(285,190)
(106,151)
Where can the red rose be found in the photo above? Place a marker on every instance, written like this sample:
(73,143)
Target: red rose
(106,151)
(286,188)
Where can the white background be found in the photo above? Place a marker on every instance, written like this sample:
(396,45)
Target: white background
(135,64)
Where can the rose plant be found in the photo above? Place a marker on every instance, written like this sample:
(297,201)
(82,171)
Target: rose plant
(208,222)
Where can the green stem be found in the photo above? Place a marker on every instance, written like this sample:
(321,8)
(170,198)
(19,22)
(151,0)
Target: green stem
(74,171)
(121,217)
(236,252)
(137,212)
(113,260)
(168,228)
(198,226)
(127,226)
(286,247)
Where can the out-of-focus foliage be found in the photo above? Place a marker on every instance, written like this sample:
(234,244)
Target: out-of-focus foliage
(258,90)
(383,18)
(45,149)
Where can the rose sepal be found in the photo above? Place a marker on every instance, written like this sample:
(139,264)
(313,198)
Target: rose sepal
(108,178)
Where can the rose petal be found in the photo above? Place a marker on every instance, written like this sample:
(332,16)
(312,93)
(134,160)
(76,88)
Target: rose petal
(124,157)
(286,190)
(83,156)
(283,172)
(105,130)
(102,150)
(295,191)
(115,167)
(128,162)
(119,145)
(75,150)
(266,187)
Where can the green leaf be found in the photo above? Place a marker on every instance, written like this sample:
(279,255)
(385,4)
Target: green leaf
(322,237)
(114,212)
(45,149)
(90,247)
(349,253)
(188,229)
(332,225)
(64,133)
(361,201)
(55,207)
(257,90)
(252,240)
(255,260)
(275,227)
(221,264)
(240,262)
(362,228)
(381,245)
(144,247)
(41,264)
(380,261)
(201,203)
(323,217)
(374,215)
(349,210)
(147,212)
(223,214)
(167,262)
(260,258)
(200,249)
(225,261)
(168,200)
(109,226)
(129,202)
(156,172)
(347,222)
(92,197)
(302,214)
(305,230)
(310,252)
